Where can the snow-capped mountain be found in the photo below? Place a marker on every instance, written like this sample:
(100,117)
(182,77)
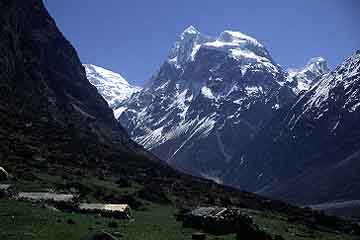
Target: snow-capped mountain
(235,44)
(209,98)
(112,86)
(316,140)
(223,109)
(302,79)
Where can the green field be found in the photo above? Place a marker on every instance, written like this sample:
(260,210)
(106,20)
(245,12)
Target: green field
(23,220)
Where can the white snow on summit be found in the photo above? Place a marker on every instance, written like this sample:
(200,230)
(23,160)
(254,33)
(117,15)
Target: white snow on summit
(186,46)
(234,39)
(237,45)
(248,51)
(304,77)
(191,29)
(112,86)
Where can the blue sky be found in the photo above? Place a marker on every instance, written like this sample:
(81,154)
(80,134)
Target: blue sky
(133,37)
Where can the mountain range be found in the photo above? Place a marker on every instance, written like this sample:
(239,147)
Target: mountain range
(309,152)
(58,133)
(223,109)
(60,137)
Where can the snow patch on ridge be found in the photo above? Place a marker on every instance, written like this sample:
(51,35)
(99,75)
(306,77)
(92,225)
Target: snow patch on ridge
(207,92)
(112,86)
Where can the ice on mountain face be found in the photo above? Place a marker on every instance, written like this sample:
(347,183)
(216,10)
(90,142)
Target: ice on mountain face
(207,92)
(237,39)
(240,46)
(112,86)
(103,74)
(276,106)
(254,90)
(119,111)
(235,50)
(194,51)
(303,79)
(231,39)
(355,107)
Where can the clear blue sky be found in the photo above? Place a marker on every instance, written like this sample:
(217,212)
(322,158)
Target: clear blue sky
(133,37)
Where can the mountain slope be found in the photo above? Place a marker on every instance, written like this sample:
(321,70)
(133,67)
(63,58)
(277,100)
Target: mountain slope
(45,94)
(210,95)
(112,86)
(316,140)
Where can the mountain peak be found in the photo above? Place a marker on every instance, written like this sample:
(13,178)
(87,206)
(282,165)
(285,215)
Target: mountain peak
(191,30)
(112,86)
(186,46)
(304,78)
(105,74)
(237,44)
(241,46)
(316,60)
(317,65)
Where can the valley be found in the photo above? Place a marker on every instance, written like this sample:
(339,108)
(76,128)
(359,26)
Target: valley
(70,170)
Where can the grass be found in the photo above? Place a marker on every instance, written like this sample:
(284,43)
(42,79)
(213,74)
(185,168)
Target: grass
(278,225)
(158,223)
(23,221)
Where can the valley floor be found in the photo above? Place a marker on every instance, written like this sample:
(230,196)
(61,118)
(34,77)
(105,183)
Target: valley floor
(24,220)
